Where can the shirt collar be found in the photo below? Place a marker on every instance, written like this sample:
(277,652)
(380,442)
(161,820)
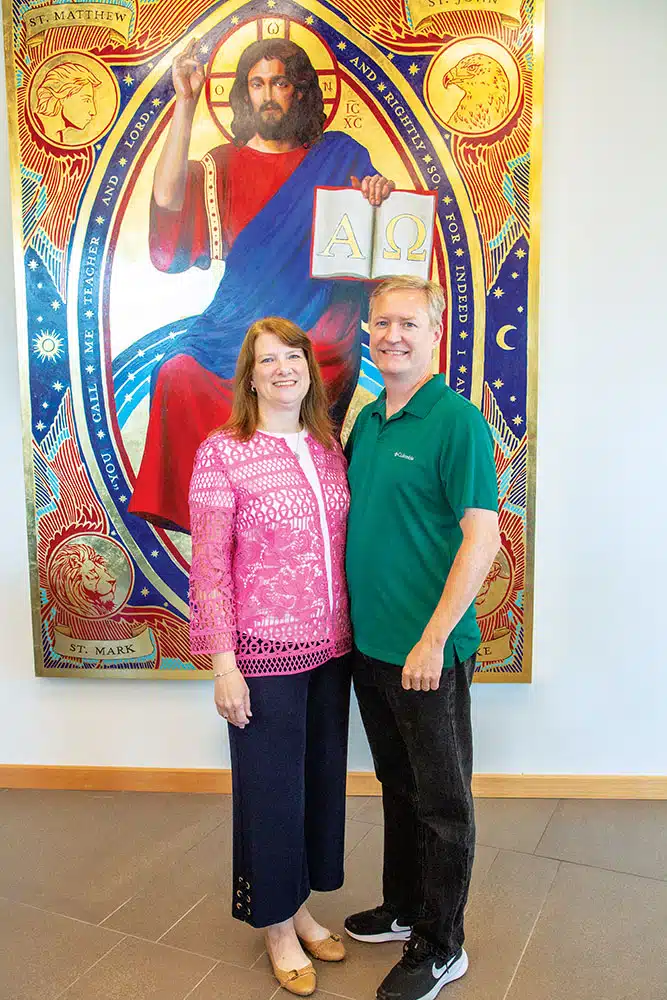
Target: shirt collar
(419,405)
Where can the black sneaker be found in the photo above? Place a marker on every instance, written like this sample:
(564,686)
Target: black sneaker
(421,973)
(377,925)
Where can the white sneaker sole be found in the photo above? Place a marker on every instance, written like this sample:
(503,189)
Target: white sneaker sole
(380,938)
(456,971)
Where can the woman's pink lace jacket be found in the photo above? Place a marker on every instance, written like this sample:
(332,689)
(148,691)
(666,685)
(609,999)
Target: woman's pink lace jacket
(258,582)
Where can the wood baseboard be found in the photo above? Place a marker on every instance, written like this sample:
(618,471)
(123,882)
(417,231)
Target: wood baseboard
(210,781)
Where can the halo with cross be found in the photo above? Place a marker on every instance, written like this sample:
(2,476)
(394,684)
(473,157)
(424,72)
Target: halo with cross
(228,51)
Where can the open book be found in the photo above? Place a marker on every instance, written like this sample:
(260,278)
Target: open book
(354,239)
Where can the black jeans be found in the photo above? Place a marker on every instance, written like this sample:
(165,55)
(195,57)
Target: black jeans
(421,743)
(288,784)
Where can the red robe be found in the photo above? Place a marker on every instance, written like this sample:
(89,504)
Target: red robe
(221,197)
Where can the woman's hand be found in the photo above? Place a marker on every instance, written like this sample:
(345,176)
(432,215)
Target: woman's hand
(231,693)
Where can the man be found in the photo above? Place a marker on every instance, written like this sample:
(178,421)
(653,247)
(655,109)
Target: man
(251,203)
(422,533)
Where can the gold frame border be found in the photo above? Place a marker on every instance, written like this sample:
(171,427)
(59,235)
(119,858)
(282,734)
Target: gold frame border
(532,343)
(23,347)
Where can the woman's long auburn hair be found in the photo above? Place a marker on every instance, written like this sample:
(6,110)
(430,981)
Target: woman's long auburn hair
(244,417)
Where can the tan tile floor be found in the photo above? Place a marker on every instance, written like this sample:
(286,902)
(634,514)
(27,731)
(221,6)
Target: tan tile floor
(124,896)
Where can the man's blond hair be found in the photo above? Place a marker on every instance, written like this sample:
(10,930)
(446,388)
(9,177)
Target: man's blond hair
(435,297)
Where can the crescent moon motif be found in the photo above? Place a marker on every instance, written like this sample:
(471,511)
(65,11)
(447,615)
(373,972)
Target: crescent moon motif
(501,335)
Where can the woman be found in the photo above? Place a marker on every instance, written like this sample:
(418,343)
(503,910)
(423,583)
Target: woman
(268,505)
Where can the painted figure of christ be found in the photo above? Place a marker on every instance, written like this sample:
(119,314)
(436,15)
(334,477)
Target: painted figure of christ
(249,202)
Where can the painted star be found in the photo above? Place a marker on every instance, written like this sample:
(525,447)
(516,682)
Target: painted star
(128,398)
(154,554)
(202,48)
(156,102)
(517,420)
(140,354)
(122,498)
(158,357)
(99,220)
(310,19)
(460,252)
(390,55)
(39,284)
(33,265)
(515,274)
(40,319)
(499,293)
(45,406)
(235,20)
(40,426)
(498,384)
(128,79)
(101,435)
(519,309)
(382,86)
(512,399)
(447,200)
(463,334)
(90,369)
(270,3)
(88,314)
(173,335)
(144,591)
(520,254)
(55,305)
(463,369)
(342,46)
(427,158)
(123,161)
(58,386)
(413,69)
(131,377)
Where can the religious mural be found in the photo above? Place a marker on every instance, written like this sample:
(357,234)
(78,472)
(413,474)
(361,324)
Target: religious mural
(133,302)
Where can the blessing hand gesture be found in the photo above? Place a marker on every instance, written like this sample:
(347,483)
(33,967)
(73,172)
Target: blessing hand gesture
(188,74)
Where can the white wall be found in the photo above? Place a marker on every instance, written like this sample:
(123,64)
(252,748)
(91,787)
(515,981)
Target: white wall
(597,704)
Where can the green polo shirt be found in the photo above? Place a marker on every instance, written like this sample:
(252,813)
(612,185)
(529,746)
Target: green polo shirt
(411,479)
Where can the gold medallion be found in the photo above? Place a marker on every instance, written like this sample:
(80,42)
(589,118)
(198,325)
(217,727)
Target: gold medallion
(72,100)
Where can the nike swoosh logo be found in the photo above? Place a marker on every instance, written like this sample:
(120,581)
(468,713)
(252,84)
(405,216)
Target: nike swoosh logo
(397,929)
(439,973)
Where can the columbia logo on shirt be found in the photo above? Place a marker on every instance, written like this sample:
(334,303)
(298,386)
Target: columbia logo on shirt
(401,454)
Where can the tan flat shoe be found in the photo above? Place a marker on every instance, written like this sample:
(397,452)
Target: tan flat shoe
(301,982)
(331,949)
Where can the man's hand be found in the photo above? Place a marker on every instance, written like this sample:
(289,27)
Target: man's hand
(423,666)
(188,74)
(376,189)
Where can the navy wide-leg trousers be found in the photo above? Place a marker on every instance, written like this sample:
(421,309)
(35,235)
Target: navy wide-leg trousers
(288,783)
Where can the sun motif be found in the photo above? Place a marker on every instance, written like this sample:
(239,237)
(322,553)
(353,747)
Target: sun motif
(48,346)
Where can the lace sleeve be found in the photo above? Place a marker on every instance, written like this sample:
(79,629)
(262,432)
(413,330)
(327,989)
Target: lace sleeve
(212,604)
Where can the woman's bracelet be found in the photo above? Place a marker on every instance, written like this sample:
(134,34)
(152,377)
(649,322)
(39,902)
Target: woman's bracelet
(225,672)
